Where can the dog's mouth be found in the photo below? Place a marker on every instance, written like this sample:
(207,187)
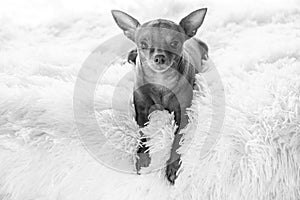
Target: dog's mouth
(159,68)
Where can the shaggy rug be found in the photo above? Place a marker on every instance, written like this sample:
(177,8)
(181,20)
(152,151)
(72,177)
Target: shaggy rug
(256,155)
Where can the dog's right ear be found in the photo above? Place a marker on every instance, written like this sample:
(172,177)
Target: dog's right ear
(193,21)
(127,23)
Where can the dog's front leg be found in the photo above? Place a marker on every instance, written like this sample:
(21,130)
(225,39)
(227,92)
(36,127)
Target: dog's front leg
(142,111)
(173,163)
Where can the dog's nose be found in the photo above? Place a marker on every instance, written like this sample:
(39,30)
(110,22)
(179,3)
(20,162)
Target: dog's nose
(160,59)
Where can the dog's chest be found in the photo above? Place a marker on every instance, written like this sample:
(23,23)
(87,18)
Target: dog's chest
(159,87)
(163,81)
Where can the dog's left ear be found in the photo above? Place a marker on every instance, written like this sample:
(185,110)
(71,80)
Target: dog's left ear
(193,21)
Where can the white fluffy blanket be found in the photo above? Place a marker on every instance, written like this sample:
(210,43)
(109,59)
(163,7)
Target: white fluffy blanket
(257,156)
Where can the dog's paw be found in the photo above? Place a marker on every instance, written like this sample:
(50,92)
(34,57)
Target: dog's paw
(207,65)
(143,160)
(171,171)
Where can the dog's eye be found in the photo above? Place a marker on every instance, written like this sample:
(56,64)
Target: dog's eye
(144,45)
(174,44)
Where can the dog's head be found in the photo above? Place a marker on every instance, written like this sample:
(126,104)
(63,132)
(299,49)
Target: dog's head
(160,42)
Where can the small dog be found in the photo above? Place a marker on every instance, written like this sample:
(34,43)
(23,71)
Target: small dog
(166,61)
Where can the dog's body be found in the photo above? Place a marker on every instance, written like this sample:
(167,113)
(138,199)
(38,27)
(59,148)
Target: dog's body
(166,60)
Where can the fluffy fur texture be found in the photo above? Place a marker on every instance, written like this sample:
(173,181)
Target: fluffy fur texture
(256,157)
(255,45)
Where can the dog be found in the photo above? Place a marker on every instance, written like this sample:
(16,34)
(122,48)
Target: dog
(166,59)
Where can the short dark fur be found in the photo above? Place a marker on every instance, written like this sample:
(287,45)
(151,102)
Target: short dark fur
(167,82)
(131,58)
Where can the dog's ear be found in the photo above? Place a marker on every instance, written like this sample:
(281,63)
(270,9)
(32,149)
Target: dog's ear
(193,21)
(127,23)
